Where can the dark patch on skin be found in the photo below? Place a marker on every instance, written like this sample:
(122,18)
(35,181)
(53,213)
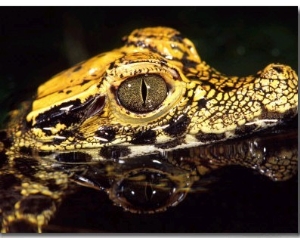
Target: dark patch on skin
(57,141)
(178,125)
(73,157)
(114,152)
(96,107)
(227,88)
(188,64)
(163,63)
(66,134)
(44,153)
(79,136)
(278,69)
(290,114)
(72,133)
(170,144)
(35,204)
(136,34)
(77,68)
(68,91)
(76,114)
(26,166)
(55,115)
(49,143)
(104,76)
(23,226)
(144,137)
(111,65)
(208,137)
(8,180)
(25,150)
(47,133)
(265,114)
(245,129)
(84,82)
(114,91)
(202,103)
(107,133)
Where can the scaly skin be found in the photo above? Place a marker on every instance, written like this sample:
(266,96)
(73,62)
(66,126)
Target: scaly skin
(154,95)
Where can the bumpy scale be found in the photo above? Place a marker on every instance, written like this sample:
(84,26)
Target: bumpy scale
(153,95)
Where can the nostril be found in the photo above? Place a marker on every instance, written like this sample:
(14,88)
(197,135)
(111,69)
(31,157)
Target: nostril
(278,69)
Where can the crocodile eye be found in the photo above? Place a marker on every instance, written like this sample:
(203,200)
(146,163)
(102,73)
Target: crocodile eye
(142,93)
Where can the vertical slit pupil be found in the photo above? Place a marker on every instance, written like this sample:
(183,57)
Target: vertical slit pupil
(148,192)
(144,91)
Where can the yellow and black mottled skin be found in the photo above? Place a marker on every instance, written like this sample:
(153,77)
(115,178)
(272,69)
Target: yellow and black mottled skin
(153,95)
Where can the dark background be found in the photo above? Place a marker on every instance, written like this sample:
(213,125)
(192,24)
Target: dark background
(38,42)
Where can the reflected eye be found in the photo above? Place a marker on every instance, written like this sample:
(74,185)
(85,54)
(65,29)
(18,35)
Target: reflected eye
(142,93)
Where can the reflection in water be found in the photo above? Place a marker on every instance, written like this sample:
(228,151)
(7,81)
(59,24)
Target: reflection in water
(150,190)
(152,183)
